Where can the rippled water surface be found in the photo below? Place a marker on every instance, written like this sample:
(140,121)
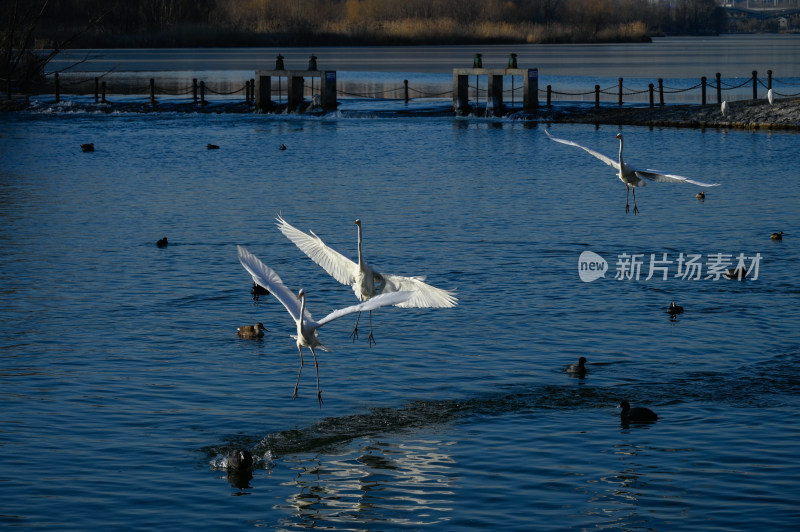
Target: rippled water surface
(123,383)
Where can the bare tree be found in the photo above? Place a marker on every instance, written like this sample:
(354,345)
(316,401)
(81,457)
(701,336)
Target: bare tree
(22,66)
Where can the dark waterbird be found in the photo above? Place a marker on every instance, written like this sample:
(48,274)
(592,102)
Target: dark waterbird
(283,147)
(639,414)
(239,460)
(579,368)
(701,196)
(674,309)
(162,243)
(239,466)
(777,236)
(257,291)
(212,146)
(87,147)
(251,331)
(736,273)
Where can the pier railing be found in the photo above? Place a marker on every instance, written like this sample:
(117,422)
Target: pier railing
(202,93)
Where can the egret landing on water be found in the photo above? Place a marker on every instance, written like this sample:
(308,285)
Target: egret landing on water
(632,177)
(365,281)
(306,325)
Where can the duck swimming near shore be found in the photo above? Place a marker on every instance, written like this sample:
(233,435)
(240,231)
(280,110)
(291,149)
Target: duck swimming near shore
(777,236)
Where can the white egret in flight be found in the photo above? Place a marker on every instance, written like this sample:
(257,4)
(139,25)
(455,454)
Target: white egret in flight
(306,325)
(632,177)
(366,282)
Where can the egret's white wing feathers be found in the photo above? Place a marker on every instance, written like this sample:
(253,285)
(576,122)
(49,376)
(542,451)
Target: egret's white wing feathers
(425,295)
(337,265)
(265,276)
(654,175)
(381,300)
(608,160)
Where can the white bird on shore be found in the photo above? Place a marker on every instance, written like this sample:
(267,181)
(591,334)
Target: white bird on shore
(770,96)
(366,282)
(632,177)
(724,108)
(306,325)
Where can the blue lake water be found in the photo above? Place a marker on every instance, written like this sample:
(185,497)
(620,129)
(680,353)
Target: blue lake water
(122,380)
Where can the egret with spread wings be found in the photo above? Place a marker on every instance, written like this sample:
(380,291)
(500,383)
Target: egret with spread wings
(632,177)
(306,325)
(366,282)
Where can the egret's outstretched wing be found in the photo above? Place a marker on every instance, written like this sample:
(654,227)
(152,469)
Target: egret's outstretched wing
(608,160)
(654,175)
(265,276)
(425,295)
(337,265)
(381,300)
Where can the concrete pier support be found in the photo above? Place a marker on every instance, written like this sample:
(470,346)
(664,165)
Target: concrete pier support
(295,79)
(494,102)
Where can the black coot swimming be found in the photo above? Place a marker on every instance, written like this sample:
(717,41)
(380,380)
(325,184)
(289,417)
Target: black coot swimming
(637,414)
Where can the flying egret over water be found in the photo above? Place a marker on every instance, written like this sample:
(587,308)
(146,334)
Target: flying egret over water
(306,325)
(632,177)
(366,282)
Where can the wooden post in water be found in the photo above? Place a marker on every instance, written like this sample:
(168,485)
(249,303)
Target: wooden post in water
(661,92)
(247,92)
(755,85)
(103,88)
(96,89)
(202,93)
(769,79)
(194,90)
(252,91)
(703,90)
(719,88)
(597,96)
(405,90)
(58,87)
(620,92)
(549,96)
(651,94)
(152,92)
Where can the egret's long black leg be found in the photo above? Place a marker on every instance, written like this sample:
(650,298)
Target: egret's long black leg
(354,334)
(371,338)
(296,384)
(627,194)
(316,366)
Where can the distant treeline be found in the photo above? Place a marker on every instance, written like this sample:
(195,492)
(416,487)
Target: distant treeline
(138,23)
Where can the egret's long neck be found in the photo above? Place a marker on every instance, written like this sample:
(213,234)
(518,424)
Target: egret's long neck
(360,255)
(620,152)
(302,313)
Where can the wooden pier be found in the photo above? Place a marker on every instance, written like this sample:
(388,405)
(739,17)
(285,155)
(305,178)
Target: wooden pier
(494,98)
